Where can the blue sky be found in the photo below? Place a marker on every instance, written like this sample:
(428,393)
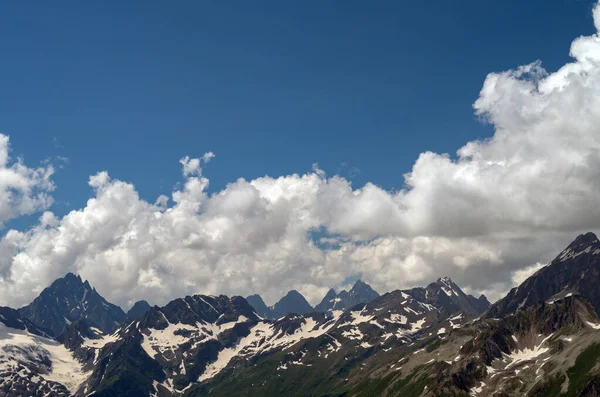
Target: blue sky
(269,87)
(369,91)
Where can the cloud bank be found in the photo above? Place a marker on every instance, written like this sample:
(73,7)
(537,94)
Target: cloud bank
(23,190)
(486,217)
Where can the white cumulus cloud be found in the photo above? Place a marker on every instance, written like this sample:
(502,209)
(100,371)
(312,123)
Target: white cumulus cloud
(23,190)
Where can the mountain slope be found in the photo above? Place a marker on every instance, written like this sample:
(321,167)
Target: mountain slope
(398,344)
(576,270)
(32,364)
(331,353)
(545,348)
(70,299)
(191,345)
(171,346)
(542,350)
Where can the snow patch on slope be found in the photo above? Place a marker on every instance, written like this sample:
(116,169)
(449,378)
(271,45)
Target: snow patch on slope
(161,340)
(262,338)
(21,347)
(396,319)
(258,332)
(593,325)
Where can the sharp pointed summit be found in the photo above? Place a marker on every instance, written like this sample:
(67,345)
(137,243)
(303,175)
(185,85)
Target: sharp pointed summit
(328,302)
(361,292)
(70,299)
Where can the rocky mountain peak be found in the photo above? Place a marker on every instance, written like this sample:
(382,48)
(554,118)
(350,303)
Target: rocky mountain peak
(483,299)
(293,294)
(330,294)
(447,283)
(447,296)
(585,238)
(445,286)
(359,284)
(360,293)
(195,309)
(329,301)
(138,309)
(292,302)
(360,287)
(70,277)
(70,299)
(583,244)
(576,270)
(259,305)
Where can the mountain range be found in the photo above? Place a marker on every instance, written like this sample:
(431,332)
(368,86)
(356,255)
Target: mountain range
(359,293)
(294,302)
(542,339)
